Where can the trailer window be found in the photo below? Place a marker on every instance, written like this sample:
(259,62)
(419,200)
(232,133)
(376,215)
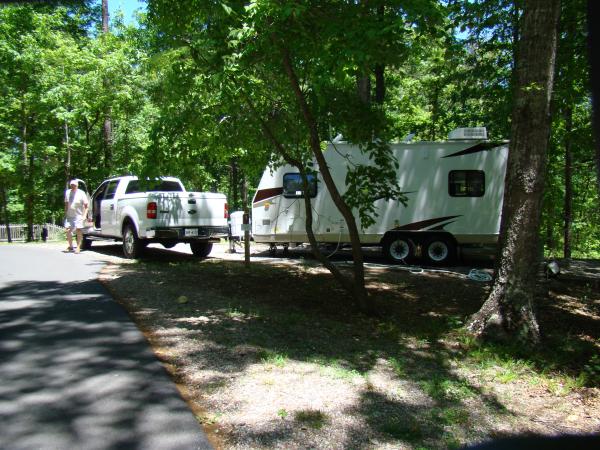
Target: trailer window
(466,183)
(292,185)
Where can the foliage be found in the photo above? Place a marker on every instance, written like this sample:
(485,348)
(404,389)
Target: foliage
(193,88)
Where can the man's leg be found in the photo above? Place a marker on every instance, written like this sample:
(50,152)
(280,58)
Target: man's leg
(69,238)
(79,232)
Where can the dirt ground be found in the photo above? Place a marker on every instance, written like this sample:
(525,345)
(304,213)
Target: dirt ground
(275,356)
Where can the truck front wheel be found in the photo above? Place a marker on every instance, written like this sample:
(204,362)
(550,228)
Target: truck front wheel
(132,246)
(201,249)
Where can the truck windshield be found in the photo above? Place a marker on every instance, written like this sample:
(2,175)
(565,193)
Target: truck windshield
(135,186)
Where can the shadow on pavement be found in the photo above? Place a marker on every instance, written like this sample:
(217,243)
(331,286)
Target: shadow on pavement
(76,373)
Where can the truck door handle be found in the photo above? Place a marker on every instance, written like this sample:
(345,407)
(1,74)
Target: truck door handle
(192,211)
(112,207)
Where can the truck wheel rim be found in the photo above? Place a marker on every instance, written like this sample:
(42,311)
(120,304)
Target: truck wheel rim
(437,251)
(129,241)
(399,250)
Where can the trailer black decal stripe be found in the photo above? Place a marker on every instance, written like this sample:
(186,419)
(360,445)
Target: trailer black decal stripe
(424,224)
(481,147)
(264,194)
(441,226)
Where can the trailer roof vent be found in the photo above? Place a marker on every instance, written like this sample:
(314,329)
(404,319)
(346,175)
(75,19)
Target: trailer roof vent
(468,133)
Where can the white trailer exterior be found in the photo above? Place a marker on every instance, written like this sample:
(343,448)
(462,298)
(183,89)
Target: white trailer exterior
(455,191)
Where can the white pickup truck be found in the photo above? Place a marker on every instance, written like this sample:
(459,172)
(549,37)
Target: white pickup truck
(139,212)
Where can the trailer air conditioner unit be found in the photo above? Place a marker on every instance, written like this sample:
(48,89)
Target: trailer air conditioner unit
(468,133)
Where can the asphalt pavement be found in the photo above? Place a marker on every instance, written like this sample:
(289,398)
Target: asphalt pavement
(75,372)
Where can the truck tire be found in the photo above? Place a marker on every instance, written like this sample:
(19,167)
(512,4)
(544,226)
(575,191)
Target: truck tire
(86,243)
(201,249)
(398,249)
(132,246)
(439,250)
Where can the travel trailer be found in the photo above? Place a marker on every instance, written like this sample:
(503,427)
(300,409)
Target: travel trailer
(454,188)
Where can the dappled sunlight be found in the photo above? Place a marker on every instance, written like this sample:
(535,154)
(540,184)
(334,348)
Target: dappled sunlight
(278,356)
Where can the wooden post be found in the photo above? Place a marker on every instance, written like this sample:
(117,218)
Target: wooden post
(246,222)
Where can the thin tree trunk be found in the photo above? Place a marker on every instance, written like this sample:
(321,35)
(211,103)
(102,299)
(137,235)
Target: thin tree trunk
(107,128)
(363,87)
(234,185)
(568,205)
(105,16)
(359,290)
(68,155)
(5,210)
(593,19)
(380,68)
(508,312)
(337,274)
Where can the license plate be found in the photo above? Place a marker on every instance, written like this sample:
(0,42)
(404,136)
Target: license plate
(191,232)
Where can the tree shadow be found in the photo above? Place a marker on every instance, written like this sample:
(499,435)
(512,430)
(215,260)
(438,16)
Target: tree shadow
(274,315)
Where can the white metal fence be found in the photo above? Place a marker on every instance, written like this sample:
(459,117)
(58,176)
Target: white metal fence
(18,232)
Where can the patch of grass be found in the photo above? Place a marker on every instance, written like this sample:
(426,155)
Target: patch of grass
(311,418)
(444,389)
(405,428)
(454,416)
(335,369)
(272,357)
(282,413)
(399,366)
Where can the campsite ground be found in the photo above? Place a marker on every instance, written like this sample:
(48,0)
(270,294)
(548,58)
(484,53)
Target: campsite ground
(274,356)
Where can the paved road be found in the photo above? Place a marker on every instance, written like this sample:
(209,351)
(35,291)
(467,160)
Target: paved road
(75,372)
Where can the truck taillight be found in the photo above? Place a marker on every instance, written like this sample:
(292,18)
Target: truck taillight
(151,210)
(226,211)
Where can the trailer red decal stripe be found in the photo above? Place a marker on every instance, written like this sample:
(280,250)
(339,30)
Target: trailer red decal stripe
(264,194)
(423,224)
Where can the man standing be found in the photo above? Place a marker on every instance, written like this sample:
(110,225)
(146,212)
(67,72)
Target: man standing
(76,208)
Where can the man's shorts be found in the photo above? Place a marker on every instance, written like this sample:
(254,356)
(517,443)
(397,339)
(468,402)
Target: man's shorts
(74,222)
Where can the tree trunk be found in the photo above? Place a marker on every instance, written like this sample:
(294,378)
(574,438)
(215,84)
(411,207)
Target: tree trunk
(508,312)
(68,155)
(568,205)
(363,87)
(593,16)
(358,286)
(4,199)
(105,16)
(234,185)
(379,84)
(107,128)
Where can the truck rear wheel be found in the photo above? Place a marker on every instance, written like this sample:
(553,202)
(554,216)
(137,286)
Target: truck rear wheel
(440,250)
(86,243)
(132,246)
(201,249)
(398,249)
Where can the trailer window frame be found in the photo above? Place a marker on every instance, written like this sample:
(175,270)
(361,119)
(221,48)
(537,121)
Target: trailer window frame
(466,183)
(290,192)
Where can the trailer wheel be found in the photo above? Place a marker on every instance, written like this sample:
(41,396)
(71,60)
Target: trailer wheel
(398,249)
(201,249)
(440,250)
(272,249)
(132,245)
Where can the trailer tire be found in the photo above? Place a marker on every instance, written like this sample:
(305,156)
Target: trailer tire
(439,250)
(398,249)
(132,245)
(201,249)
